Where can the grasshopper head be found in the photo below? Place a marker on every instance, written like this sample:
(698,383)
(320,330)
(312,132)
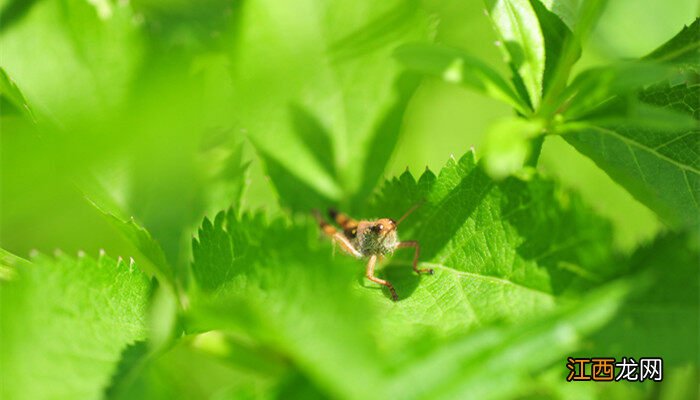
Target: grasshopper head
(378,237)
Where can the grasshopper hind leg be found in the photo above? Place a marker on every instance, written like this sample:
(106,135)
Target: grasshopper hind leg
(330,231)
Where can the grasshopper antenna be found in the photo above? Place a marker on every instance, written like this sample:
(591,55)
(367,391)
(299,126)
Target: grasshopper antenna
(409,212)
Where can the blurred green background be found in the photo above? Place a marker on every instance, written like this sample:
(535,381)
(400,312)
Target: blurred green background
(152,97)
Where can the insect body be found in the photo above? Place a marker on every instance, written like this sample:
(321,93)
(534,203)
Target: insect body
(371,240)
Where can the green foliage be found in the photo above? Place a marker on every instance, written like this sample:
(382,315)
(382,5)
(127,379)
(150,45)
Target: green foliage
(176,112)
(625,117)
(664,305)
(464,215)
(299,195)
(659,167)
(343,78)
(247,271)
(655,162)
(528,264)
(562,49)
(497,363)
(523,45)
(65,322)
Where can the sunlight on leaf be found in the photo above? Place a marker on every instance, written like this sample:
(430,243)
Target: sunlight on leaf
(522,44)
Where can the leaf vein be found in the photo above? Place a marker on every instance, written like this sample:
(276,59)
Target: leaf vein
(641,146)
(490,278)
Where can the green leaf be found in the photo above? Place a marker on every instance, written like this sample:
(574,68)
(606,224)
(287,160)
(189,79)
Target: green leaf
(566,10)
(635,114)
(299,194)
(276,282)
(65,322)
(13,11)
(155,262)
(132,359)
(517,244)
(522,42)
(145,243)
(96,43)
(11,93)
(658,167)
(557,40)
(563,39)
(683,49)
(190,370)
(593,87)
(665,308)
(224,249)
(380,31)
(457,66)
(228,177)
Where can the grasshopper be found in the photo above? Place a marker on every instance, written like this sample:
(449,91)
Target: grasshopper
(371,240)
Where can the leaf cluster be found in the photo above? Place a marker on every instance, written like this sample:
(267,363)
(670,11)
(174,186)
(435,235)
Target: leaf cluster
(637,119)
(255,305)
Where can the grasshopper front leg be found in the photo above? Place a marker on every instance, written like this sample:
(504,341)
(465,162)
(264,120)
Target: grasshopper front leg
(370,275)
